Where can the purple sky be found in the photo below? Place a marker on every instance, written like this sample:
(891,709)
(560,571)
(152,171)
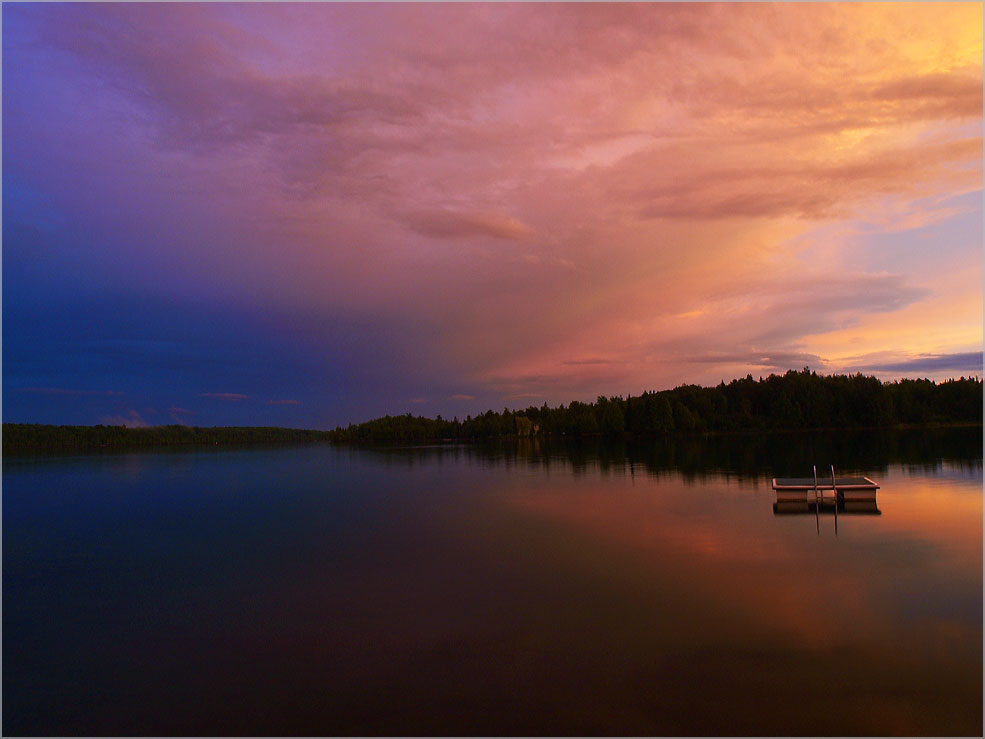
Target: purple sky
(307,215)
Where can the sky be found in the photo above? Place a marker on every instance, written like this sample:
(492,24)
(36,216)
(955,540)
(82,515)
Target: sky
(309,215)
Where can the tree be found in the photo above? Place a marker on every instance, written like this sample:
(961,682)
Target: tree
(683,418)
(613,420)
(662,418)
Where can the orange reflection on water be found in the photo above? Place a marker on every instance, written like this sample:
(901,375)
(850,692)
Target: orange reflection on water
(745,573)
(788,579)
(949,513)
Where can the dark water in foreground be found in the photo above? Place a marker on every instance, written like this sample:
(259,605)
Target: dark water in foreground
(512,590)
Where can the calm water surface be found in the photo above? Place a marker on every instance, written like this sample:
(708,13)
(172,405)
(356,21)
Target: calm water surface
(522,589)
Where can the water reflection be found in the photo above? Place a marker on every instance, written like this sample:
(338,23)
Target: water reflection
(842,507)
(523,588)
(743,455)
(832,507)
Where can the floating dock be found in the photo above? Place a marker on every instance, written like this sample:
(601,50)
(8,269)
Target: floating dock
(808,489)
(853,495)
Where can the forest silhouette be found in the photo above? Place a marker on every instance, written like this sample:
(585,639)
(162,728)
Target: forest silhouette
(794,400)
(791,401)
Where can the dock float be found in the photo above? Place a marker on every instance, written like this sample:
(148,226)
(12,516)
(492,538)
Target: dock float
(844,494)
(804,488)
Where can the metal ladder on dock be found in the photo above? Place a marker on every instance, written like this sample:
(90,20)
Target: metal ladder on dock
(819,499)
(834,485)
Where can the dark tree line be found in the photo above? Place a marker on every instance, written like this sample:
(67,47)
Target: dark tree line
(19,438)
(794,400)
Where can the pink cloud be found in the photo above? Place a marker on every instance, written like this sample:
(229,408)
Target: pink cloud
(446,224)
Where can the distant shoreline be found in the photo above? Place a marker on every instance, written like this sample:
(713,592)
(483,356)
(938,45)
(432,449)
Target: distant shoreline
(794,401)
(50,439)
(24,439)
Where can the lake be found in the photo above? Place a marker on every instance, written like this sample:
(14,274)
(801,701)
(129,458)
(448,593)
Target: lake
(520,588)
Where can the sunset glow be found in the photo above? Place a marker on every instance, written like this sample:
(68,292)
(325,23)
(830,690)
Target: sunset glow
(311,214)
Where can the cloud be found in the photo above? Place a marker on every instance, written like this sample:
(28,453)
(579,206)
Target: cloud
(179,415)
(958,362)
(283,402)
(133,420)
(762,359)
(812,188)
(447,224)
(961,91)
(195,75)
(580,362)
(67,391)
(695,188)
(461,396)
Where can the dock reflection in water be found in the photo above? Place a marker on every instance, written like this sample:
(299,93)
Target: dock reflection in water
(842,507)
(834,507)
